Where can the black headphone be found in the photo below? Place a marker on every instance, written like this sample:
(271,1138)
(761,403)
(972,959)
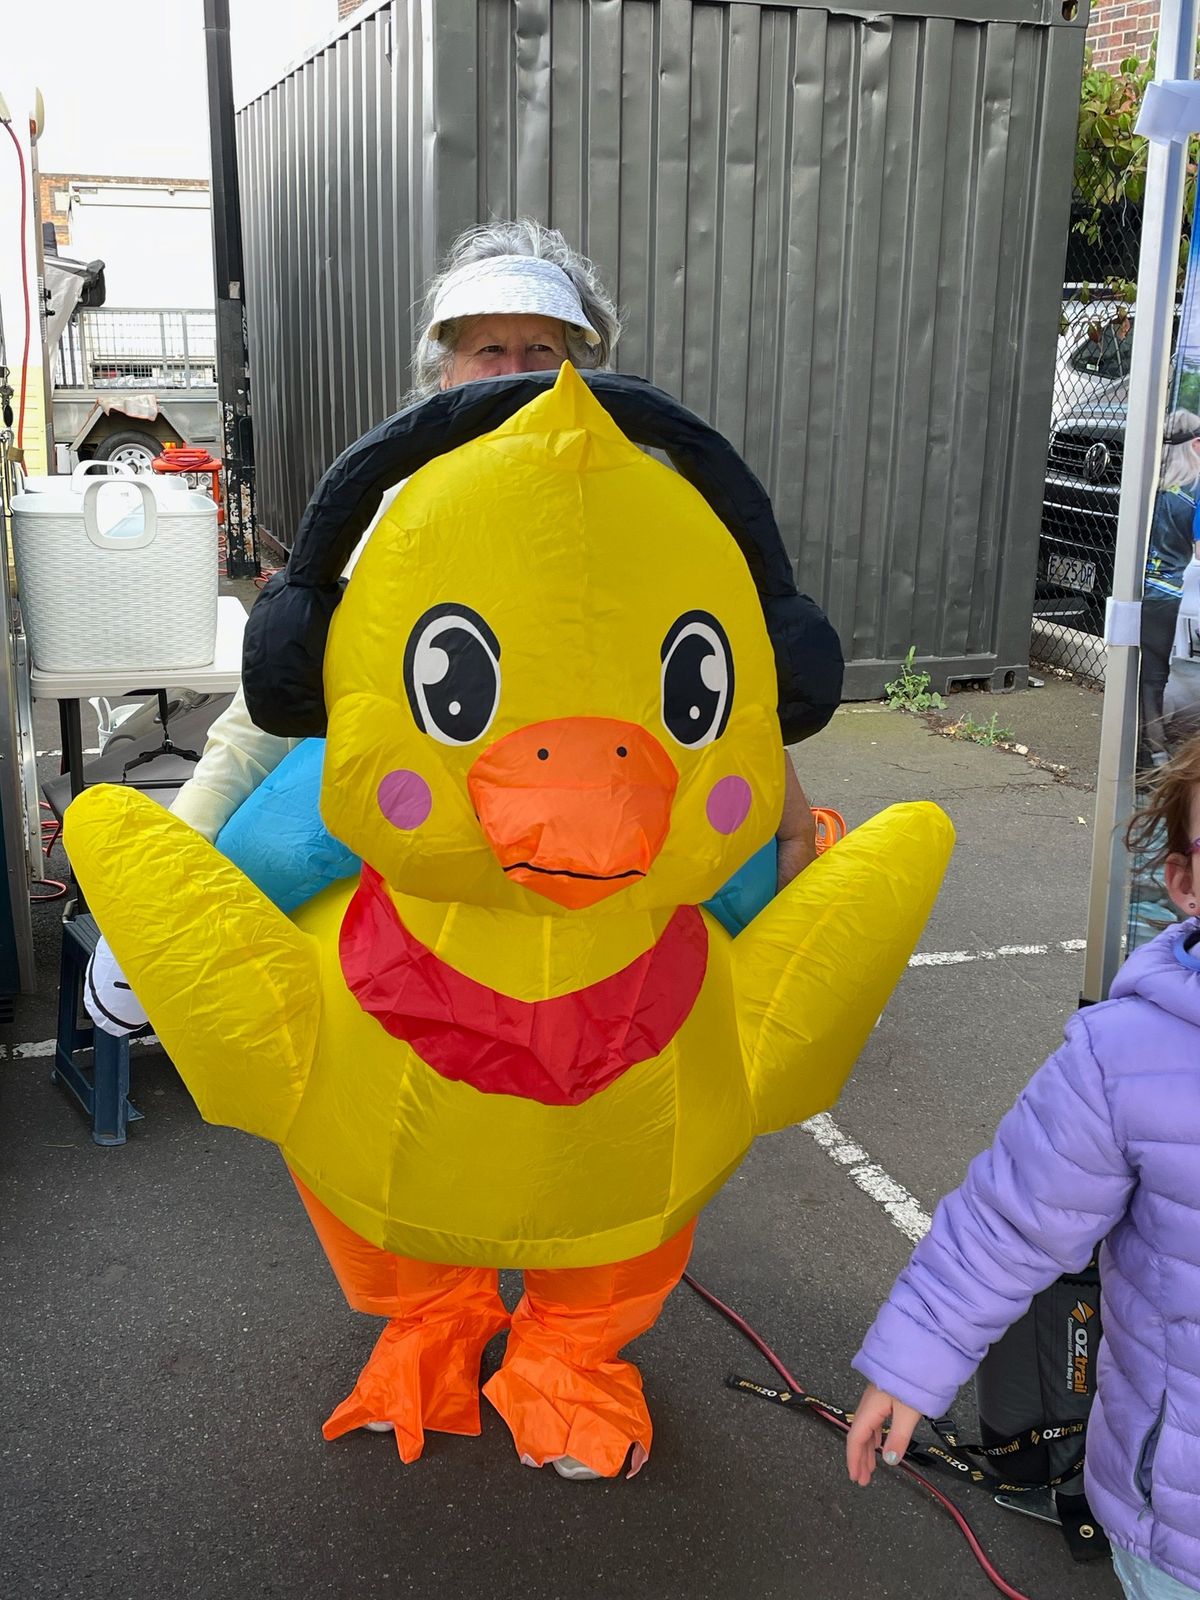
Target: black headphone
(284,649)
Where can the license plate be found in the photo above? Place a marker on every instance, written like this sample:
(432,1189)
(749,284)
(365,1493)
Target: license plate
(1072,573)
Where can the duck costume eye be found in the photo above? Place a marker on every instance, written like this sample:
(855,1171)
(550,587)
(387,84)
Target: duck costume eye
(697,679)
(452,674)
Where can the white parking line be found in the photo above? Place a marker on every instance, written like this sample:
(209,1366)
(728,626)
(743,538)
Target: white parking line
(904,1209)
(956,958)
(46,1047)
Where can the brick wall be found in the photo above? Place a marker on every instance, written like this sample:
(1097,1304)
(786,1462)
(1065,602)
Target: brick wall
(1119,29)
(54,190)
(345,7)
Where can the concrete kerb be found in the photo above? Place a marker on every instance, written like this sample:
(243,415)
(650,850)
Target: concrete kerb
(1069,649)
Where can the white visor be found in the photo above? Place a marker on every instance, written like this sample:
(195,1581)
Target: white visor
(522,285)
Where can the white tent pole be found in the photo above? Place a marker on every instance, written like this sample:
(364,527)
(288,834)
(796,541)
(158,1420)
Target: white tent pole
(1158,263)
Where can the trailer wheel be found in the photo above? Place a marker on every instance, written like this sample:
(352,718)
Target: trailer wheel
(134,447)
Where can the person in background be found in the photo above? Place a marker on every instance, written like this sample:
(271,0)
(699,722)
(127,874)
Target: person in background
(1104,1143)
(511,297)
(1169,686)
(1172,549)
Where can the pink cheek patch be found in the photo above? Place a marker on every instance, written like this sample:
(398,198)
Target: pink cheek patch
(404,799)
(728,804)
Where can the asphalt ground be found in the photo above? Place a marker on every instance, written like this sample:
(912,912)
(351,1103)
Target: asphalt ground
(173,1338)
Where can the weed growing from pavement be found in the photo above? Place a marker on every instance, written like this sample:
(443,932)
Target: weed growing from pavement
(911,691)
(988,732)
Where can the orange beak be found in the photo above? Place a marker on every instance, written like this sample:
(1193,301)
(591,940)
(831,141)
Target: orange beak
(575,809)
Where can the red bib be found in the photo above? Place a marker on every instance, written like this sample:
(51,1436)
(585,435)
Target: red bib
(559,1051)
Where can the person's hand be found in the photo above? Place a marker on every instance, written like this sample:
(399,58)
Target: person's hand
(107,996)
(866,1433)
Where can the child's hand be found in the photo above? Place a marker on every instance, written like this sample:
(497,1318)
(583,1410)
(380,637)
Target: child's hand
(866,1432)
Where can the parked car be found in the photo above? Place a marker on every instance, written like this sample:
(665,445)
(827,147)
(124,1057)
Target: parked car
(1083,465)
(1079,516)
(1091,369)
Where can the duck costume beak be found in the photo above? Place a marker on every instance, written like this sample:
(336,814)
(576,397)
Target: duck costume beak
(575,809)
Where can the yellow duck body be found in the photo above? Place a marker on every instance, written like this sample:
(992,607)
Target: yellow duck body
(534,872)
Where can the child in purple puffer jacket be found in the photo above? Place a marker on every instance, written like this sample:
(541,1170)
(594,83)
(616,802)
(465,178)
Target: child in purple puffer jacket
(1104,1143)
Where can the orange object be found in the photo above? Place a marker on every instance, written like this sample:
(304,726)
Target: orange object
(831,826)
(610,786)
(181,458)
(424,1370)
(561,1389)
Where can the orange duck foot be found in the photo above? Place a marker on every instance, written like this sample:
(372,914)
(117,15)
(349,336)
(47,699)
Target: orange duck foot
(420,1375)
(595,1414)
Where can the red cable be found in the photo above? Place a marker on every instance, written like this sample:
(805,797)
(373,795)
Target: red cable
(769,1355)
(49,825)
(25,289)
(53,827)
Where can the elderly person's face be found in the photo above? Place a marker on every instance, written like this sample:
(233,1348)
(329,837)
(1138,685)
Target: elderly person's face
(495,346)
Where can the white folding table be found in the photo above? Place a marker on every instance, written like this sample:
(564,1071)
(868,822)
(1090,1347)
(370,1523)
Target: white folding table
(221,676)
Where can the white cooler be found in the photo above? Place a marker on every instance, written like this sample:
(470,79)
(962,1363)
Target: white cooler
(116,574)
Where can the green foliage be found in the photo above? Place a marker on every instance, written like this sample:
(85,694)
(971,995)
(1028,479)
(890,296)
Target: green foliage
(1110,163)
(1189,388)
(989,732)
(1110,160)
(911,691)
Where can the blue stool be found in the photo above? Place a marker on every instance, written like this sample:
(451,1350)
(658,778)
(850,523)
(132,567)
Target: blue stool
(105,1094)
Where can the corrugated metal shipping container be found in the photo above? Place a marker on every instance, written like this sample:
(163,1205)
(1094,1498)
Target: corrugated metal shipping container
(837,234)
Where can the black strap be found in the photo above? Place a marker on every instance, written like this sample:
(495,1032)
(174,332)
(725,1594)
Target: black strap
(949,1455)
(1032,1439)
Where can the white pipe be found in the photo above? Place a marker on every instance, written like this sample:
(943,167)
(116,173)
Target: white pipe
(1158,263)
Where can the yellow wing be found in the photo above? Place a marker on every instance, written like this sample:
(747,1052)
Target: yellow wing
(229,983)
(814,970)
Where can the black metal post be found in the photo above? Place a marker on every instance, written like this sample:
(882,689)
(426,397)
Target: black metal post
(233,373)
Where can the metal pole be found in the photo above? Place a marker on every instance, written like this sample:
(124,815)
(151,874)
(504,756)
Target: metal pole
(40,258)
(233,379)
(1158,265)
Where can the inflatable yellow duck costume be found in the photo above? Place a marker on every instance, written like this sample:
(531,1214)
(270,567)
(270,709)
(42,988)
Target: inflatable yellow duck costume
(516,1041)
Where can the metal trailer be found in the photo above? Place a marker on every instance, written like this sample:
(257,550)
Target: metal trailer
(838,234)
(128,381)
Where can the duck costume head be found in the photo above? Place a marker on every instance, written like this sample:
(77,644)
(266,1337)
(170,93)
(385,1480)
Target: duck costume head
(552,692)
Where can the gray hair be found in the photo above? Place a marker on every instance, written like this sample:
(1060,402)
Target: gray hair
(522,237)
(1181,453)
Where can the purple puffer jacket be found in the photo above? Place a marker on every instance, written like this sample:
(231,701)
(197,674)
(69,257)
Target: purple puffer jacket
(1104,1141)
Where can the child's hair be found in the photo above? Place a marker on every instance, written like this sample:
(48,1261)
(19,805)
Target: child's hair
(1163,826)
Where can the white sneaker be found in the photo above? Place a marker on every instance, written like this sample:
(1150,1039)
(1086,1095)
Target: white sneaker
(380,1427)
(568,1467)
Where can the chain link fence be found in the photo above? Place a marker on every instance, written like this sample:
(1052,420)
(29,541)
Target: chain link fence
(1087,437)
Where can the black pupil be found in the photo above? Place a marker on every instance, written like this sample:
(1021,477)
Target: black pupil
(689,706)
(460,704)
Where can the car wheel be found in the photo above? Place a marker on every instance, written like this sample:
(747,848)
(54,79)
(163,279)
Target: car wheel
(133,448)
